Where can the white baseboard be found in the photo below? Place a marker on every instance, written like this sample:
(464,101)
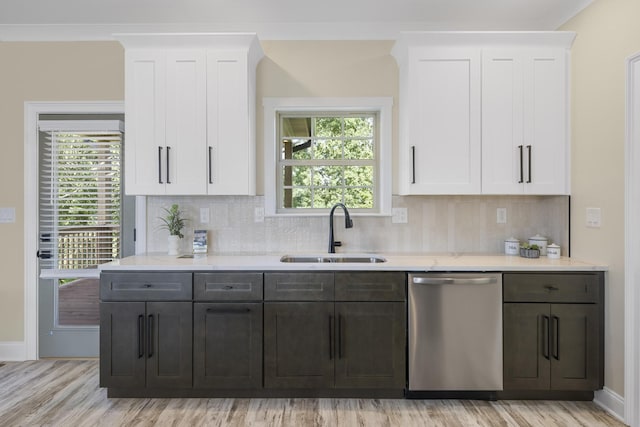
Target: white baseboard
(12,351)
(611,402)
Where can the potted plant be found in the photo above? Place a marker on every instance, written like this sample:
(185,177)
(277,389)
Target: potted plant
(174,222)
(529,251)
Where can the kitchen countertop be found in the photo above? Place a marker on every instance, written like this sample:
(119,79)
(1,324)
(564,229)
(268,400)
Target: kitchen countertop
(395,262)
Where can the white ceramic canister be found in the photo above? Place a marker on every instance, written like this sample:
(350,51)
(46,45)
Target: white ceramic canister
(541,242)
(512,246)
(553,251)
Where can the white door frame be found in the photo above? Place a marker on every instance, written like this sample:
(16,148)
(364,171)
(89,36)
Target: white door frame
(632,244)
(32,111)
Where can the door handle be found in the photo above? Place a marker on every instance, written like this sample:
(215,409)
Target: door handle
(453,281)
(330,337)
(168,176)
(413,164)
(210,165)
(340,353)
(529,160)
(150,336)
(555,351)
(545,337)
(140,336)
(160,165)
(521,166)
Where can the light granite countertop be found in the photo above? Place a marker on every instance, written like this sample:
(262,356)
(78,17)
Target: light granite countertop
(394,262)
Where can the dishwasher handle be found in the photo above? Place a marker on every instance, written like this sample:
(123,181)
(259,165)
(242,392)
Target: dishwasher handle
(421,280)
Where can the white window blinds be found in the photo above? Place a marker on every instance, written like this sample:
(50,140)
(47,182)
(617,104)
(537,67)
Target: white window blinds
(80,193)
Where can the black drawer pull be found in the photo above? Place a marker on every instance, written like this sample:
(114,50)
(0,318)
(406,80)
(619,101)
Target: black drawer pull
(545,337)
(150,336)
(147,285)
(228,287)
(551,288)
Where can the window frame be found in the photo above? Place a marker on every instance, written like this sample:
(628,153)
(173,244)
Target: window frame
(380,106)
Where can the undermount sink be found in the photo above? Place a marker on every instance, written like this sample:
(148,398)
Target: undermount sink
(370,259)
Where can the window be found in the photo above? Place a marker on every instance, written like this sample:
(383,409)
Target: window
(325,151)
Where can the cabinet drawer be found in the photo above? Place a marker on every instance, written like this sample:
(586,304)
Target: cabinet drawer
(145,286)
(546,287)
(370,286)
(227,286)
(298,286)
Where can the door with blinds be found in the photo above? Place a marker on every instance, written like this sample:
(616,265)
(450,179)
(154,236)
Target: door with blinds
(84,221)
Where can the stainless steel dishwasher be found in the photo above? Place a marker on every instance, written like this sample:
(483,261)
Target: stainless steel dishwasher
(455,335)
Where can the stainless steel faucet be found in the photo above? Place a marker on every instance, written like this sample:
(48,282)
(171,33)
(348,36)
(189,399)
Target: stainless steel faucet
(348,223)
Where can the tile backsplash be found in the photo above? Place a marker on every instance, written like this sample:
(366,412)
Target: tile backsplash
(437,224)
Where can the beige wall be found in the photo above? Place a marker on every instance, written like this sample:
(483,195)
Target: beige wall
(608,33)
(40,72)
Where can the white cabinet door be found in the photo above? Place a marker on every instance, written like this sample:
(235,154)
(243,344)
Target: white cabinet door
(524,121)
(186,123)
(440,135)
(230,117)
(145,147)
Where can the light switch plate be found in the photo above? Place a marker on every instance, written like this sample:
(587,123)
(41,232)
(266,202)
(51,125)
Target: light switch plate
(204,215)
(501,216)
(594,217)
(258,214)
(399,215)
(7,215)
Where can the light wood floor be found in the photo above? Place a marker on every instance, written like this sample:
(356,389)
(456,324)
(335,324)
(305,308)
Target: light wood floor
(66,393)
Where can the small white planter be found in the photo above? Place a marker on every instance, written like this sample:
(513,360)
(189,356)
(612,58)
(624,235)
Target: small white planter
(174,245)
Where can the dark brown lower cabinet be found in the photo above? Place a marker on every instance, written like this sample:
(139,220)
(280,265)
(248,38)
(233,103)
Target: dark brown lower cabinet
(334,345)
(553,346)
(227,344)
(146,345)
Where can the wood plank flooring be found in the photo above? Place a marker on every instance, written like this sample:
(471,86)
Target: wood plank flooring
(66,393)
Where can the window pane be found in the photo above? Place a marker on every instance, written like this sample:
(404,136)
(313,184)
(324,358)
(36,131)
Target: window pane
(300,198)
(328,126)
(296,126)
(297,176)
(358,176)
(358,126)
(327,197)
(297,149)
(327,176)
(327,149)
(358,149)
(359,198)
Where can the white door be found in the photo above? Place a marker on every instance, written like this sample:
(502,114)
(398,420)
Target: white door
(442,144)
(81,222)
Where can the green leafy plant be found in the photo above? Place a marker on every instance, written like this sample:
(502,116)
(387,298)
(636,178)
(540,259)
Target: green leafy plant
(528,246)
(173,221)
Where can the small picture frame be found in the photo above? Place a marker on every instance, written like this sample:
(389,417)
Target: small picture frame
(199,242)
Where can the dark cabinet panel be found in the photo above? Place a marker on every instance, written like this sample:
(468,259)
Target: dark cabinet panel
(227,345)
(370,341)
(146,286)
(298,345)
(370,286)
(526,346)
(231,286)
(552,287)
(122,344)
(169,352)
(317,286)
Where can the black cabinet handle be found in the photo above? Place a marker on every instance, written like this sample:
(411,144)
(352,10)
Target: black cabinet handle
(340,354)
(521,165)
(140,336)
(330,337)
(529,160)
(210,166)
(160,165)
(551,288)
(413,164)
(168,178)
(556,337)
(150,336)
(545,337)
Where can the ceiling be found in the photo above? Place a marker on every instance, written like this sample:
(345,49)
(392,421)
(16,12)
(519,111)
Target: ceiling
(277,19)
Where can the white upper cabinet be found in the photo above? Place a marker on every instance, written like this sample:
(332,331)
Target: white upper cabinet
(483,112)
(525,147)
(190,113)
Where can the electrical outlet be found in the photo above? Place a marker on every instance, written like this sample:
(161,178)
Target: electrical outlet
(7,215)
(204,215)
(501,216)
(399,215)
(258,214)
